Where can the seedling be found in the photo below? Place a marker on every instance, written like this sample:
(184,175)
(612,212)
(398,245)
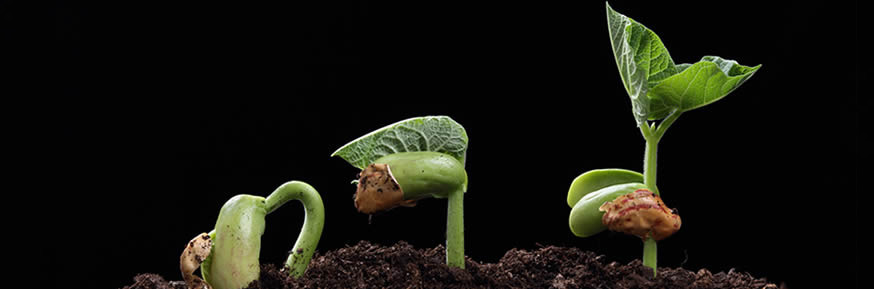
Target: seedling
(229,253)
(660,90)
(411,160)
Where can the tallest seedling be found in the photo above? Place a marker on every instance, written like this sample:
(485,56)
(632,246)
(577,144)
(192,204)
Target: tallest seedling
(660,90)
(410,160)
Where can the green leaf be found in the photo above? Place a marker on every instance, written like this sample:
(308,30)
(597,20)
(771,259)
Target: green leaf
(430,133)
(698,85)
(655,84)
(641,58)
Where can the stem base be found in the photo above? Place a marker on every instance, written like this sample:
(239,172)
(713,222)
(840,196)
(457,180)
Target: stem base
(455,230)
(650,255)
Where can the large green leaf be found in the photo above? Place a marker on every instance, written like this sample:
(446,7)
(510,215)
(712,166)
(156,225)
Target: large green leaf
(431,133)
(698,85)
(655,84)
(641,57)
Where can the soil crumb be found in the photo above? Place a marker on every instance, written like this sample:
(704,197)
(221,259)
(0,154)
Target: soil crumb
(367,265)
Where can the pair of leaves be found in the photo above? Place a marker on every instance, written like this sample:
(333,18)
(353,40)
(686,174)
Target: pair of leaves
(656,85)
(431,133)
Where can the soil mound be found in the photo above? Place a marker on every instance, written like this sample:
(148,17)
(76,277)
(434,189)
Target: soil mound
(367,265)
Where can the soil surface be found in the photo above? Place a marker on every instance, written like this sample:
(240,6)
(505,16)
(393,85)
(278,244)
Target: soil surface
(366,265)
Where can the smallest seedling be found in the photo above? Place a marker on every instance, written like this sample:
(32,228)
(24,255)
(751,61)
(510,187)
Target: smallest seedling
(228,256)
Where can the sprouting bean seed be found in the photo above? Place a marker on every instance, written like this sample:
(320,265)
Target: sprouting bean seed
(402,178)
(232,262)
(423,174)
(237,243)
(585,217)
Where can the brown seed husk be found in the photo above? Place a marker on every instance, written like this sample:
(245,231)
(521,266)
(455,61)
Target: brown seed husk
(640,213)
(195,252)
(379,191)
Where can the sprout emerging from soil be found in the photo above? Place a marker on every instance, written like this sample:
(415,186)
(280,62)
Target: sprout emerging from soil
(410,160)
(229,254)
(659,89)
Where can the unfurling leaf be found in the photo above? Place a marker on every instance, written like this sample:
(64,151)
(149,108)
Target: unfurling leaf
(655,84)
(641,58)
(431,133)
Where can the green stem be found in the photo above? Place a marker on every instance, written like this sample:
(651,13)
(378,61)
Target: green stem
(666,123)
(653,135)
(650,252)
(650,156)
(314,220)
(455,230)
(650,249)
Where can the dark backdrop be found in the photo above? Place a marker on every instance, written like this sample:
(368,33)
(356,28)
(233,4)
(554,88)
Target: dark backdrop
(168,109)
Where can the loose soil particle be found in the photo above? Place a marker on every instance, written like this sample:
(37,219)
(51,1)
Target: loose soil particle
(366,265)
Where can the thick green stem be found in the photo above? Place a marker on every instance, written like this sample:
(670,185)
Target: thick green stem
(650,252)
(455,230)
(314,220)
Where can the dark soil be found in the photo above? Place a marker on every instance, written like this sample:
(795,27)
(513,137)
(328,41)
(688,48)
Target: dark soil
(366,265)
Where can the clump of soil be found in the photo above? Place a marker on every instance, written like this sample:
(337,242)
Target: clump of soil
(366,265)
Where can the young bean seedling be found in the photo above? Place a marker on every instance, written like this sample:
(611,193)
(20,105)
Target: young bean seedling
(228,255)
(411,160)
(627,201)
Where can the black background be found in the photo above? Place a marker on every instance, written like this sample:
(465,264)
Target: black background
(168,109)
